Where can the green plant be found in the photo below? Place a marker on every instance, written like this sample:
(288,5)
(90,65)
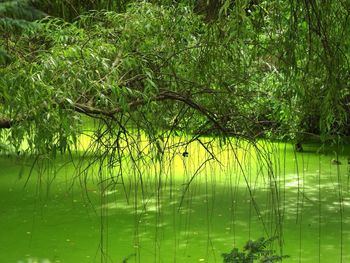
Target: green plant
(253,251)
(16,16)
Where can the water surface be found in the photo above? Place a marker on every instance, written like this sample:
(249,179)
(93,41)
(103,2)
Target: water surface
(61,215)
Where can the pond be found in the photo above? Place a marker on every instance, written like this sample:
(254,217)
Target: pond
(190,209)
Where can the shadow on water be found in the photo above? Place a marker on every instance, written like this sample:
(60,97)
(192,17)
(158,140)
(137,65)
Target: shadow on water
(62,217)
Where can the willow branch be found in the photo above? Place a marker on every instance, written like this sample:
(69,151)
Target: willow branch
(133,105)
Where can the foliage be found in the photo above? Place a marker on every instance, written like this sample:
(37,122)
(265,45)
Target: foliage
(149,58)
(15,16)
(313,53)
(255,68)
(13,10)
(252,251)
(71,9)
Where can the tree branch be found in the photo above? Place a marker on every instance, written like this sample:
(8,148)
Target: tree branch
(6,123)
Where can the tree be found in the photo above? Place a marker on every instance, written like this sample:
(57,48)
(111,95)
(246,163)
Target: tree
(277,69)
(124,68)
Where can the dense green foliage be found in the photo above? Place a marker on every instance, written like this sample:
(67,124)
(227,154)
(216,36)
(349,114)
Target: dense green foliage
(243,68)
(15,16)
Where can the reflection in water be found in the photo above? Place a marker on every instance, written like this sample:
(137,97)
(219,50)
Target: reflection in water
(181,210)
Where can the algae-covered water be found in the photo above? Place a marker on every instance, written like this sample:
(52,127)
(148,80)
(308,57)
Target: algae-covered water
(191,209)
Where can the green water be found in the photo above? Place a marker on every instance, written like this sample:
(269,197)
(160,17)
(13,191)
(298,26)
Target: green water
(59,215)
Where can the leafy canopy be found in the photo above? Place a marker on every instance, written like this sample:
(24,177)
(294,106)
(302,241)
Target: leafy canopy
(252,69)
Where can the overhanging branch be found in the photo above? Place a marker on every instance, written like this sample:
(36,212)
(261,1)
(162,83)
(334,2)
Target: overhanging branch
(6,123)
